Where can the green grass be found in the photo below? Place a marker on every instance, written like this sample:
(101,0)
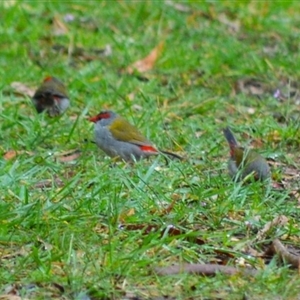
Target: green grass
(70,233)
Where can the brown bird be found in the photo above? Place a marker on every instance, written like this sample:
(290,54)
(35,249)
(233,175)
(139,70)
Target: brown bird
(51,96)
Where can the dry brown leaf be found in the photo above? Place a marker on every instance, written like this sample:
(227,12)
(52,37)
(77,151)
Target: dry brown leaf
(68,155)
(288,89)
(251,251)
(251,86)
(277,185)
(233,25)
(257,143)
(178,6)
(22,89)
(73,117)
(137,107)
(11,3)
(124,215)
(147,63)
(271,50)
(10,154)
(278,221)
(291,172)
(12,255)
(131,96)
(11,297)
(48,183)
(296,195)
(11,292)
(46,246)
(169,208)
(59,27)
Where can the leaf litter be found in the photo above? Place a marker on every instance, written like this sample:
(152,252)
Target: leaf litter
(22,89)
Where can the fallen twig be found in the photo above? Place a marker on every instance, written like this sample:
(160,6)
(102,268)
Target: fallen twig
(278,248)
(278,221)
(204,269)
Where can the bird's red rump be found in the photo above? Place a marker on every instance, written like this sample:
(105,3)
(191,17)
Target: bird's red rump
(232,149)
(100,116)
(148,148)
(48,78)
(57,98)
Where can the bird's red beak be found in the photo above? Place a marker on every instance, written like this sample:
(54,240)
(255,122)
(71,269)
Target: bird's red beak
(93,119)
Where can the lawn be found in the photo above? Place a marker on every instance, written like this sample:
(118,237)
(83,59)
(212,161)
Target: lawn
(75,224)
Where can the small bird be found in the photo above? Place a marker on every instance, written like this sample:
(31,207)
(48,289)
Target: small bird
(118,138)
(243,162)
(51,96)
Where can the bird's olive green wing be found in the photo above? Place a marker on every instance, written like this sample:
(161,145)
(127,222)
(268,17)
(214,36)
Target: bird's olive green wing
(54,87)
(246,156)
(123,131)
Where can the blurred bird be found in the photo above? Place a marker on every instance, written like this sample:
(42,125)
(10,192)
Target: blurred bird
(243,162)
(51,96)
(118,138)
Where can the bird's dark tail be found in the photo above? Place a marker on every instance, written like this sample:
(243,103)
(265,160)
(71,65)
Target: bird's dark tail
(230,139)
(171,154)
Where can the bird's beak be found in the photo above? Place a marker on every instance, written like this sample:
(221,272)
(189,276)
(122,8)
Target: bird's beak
(93,119)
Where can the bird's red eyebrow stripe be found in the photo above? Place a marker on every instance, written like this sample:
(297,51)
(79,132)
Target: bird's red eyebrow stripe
(148,148)
(100,116)
(103,115)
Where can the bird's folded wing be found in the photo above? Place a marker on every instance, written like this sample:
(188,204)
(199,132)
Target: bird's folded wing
(123,131)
